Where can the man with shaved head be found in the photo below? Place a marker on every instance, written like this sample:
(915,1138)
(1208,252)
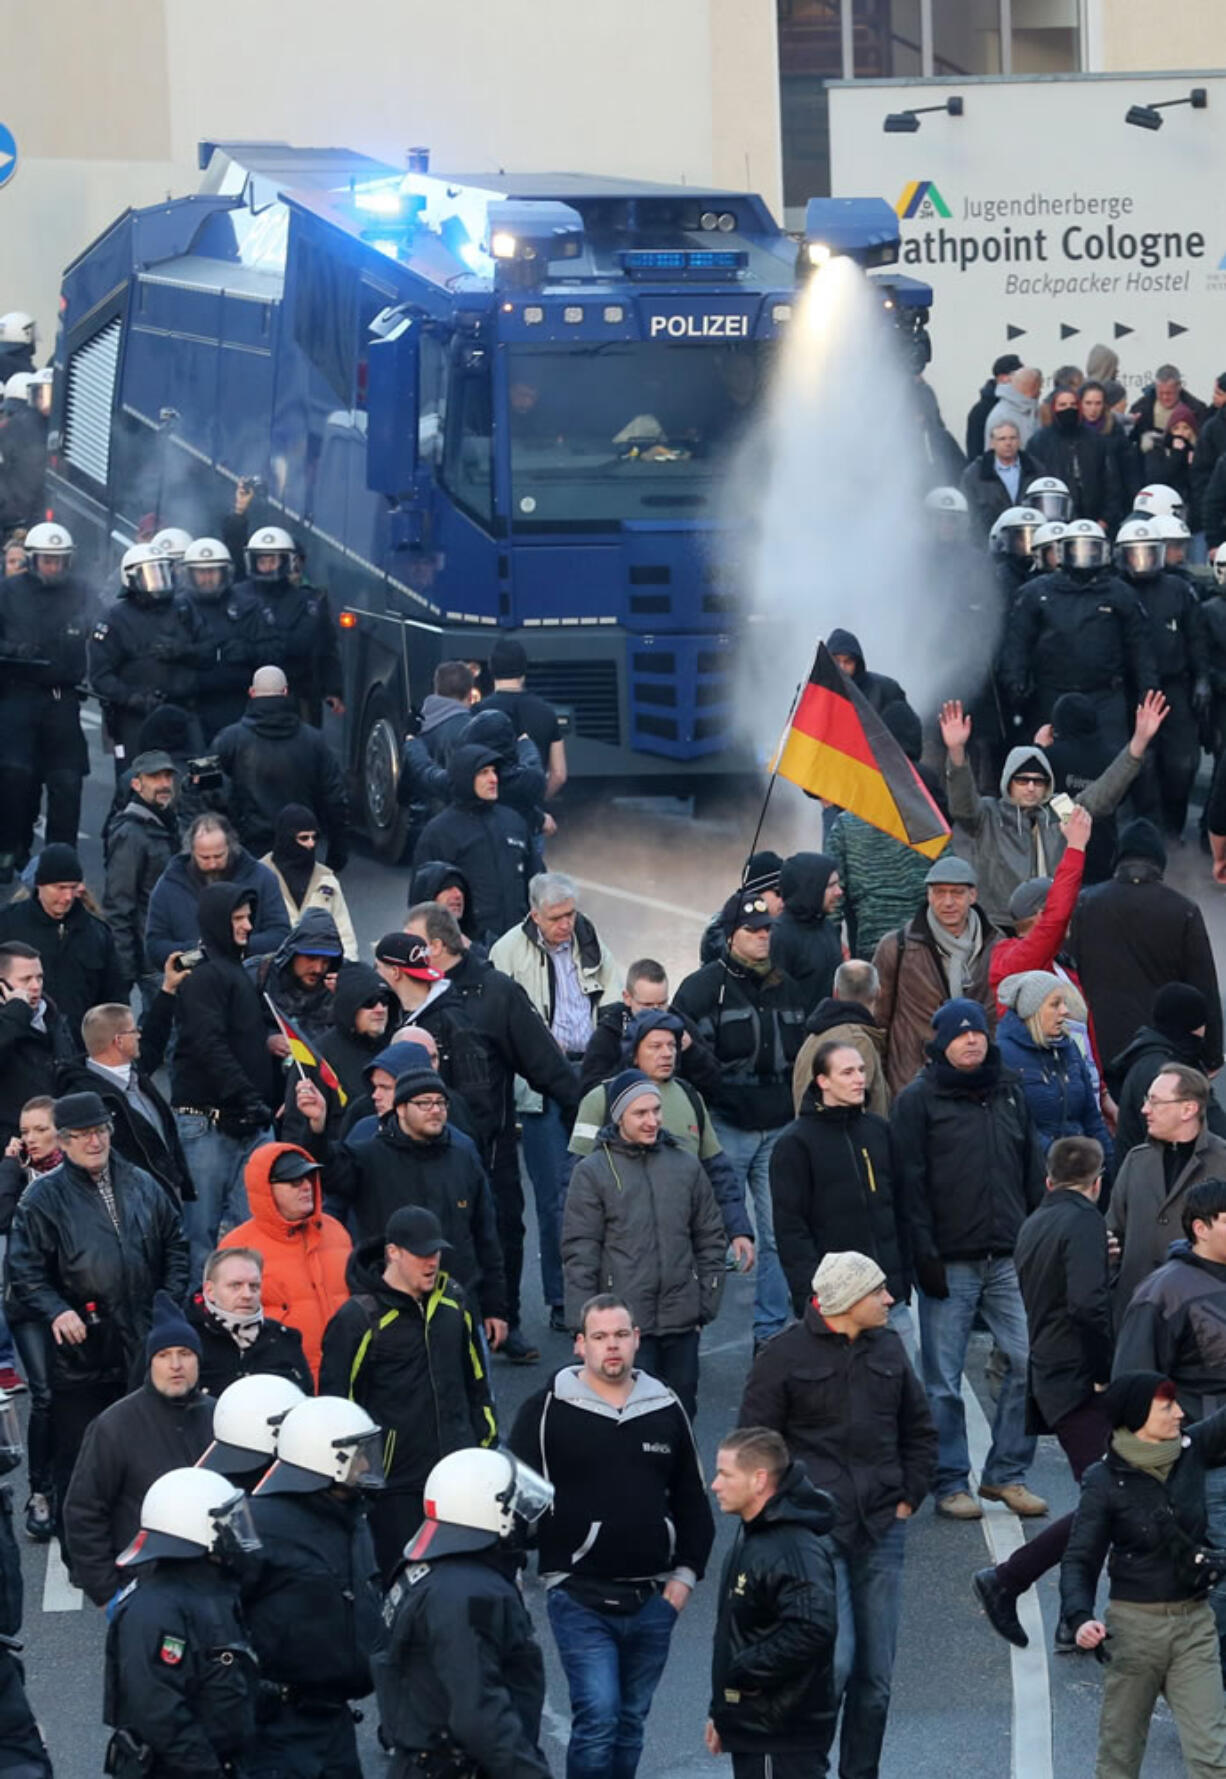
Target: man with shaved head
(272,758)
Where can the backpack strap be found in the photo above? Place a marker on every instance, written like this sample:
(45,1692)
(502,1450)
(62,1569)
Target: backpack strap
(376,1321)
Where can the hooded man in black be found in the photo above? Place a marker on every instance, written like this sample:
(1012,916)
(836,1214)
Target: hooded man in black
(294,977)
(489,842)
(1175,1033)
(805,940)
(878,688)
(439,881)
(362,1015)
(272,758)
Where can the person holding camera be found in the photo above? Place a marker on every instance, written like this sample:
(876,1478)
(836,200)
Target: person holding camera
(1143,1510)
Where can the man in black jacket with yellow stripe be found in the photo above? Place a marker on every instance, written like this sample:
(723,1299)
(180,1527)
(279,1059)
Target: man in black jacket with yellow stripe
(406,1348)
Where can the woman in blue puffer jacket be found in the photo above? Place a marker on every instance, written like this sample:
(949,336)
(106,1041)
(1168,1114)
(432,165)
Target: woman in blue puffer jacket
(1034,1040)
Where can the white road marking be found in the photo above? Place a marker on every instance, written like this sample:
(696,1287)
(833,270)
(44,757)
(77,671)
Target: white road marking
(59,1595)
(1032,1755)
(621,895)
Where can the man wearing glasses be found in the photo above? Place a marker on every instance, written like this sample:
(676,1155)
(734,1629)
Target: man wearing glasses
(92,1242)
(1143,1217)
(143,1127)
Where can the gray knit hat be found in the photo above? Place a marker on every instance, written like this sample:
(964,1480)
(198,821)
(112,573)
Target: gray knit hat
(843,1279)
(1028,898)
(1027,991)
(627,1087)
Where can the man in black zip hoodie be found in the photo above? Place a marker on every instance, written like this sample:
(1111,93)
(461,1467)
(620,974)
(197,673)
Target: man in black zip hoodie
(405,1348)
(832,1182)
(487,840)
(627,1537)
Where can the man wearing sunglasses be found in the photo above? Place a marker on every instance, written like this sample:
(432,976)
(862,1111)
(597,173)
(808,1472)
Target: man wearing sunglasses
(1019,835)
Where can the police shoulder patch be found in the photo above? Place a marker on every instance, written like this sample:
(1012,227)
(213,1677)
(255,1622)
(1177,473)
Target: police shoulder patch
(171,1650)
(100,632)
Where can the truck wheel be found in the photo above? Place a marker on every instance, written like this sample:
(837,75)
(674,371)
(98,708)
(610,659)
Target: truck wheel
(386,823)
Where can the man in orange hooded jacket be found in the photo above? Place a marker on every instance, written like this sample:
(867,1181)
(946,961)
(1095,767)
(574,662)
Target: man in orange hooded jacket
(305,1251)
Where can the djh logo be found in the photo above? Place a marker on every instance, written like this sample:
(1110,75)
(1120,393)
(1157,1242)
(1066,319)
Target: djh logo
(921,201)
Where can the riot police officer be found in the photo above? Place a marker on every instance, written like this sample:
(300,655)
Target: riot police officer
(46,615)
(1049,496)
(18,338)
(246,1422)
(23,448)
(171,541)
(460,1680)
(1178,638)
(141,653)
(1011,546)
(212,610)
(311,1597)
(181,1680)
(21,1745)
(290,622)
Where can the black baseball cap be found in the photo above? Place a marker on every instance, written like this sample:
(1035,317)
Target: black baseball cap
(418,1230)
(291,1165)
(408,953)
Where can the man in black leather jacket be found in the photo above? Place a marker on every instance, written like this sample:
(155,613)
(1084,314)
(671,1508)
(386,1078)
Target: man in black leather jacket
(772,1691)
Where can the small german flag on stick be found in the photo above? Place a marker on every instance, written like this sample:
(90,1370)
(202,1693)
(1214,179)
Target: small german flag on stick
(837,747)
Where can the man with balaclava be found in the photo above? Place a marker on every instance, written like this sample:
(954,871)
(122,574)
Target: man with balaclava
(303,880)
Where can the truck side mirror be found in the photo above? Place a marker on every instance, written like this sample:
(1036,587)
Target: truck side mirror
(393,378)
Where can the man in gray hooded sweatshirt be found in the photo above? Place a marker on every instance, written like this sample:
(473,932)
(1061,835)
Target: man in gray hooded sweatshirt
(1011,838)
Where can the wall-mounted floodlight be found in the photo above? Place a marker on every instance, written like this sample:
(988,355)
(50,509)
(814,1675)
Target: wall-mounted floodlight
(1149,117)
(905,123)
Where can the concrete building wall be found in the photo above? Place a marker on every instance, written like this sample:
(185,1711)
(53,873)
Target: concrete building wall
(683,91)
(1136,35)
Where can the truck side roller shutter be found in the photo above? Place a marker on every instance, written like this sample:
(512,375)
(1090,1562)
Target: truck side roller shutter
(91,395)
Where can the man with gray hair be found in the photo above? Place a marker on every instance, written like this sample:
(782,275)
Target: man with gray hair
(568,973)
(272,758)
(846,1016)
(994,480)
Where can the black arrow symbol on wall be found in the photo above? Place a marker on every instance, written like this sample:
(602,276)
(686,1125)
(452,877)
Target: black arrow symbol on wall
(1173,328)
(1013,333)
(1121,330)
(1067,332)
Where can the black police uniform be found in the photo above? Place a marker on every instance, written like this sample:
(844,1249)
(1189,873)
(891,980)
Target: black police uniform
(460,1680)
(221,627)
(21,1745)
(311,1599)
(291,628)
(181,1678)
(44,630)
(23,466)
(1179,641)
(140,655)
(1075,631)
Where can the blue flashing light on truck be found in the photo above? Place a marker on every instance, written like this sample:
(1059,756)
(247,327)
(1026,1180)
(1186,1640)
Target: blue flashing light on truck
(482,404)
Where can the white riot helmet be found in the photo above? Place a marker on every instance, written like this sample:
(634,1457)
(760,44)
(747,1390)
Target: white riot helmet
(1051,496)
(478,1497)
(1219,565)
(207,568)
(171,541)
(1043,541)
(946,500)
(40,390)
(191,1513)
(1139,548)
(17,389)
(247,1421)
(270,540)
(325,1441)
(18,329)
(143,570)
(948,514)
(1160,497)
(1084,546)
(1013,533)
(46,544)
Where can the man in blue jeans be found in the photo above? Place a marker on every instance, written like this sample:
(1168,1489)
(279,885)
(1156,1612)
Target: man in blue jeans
(840,1389)
(626,1540)
(971,1171)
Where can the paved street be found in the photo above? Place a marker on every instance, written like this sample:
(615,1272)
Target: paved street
(960,1704)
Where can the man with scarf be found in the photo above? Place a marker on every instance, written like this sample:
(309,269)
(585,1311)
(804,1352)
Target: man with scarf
(1143,1510)
(970,1171)
(236,1338)
(303,881)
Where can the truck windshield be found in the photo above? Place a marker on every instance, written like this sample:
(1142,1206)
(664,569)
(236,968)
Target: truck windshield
(627,430)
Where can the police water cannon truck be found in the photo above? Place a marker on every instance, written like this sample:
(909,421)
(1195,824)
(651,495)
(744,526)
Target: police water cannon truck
(483,404)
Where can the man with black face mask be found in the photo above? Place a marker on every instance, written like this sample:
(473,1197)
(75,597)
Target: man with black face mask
(1080,629)
(1080,458)
(141,653)
(1180,645)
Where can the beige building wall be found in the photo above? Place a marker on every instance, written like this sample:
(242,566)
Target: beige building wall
(681,90)
(1136,35)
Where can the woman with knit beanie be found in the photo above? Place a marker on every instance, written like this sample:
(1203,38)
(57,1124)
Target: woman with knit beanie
(1034,1040)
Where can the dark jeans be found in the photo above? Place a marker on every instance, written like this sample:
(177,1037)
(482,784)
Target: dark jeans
(869,1582)
(673,1358)
(72,1410)
(34,1341)
(548,1160)
(507,1185)
(809,1763)
(613,1663)
(1083,1433)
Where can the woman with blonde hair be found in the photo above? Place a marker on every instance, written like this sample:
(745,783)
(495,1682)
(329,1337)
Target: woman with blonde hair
(1034,1040)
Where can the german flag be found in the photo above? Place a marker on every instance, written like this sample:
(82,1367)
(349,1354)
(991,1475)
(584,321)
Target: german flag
(306,1058)
(837,747)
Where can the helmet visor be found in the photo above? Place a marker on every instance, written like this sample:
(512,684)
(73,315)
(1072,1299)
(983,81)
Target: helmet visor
(39,397)
(1053,503)
(1084,552)
(154,577)
(527,1494)
(360,1461)
(235,1527)
(1142,558)
(209,578)
(11,1449)
(1019,540)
